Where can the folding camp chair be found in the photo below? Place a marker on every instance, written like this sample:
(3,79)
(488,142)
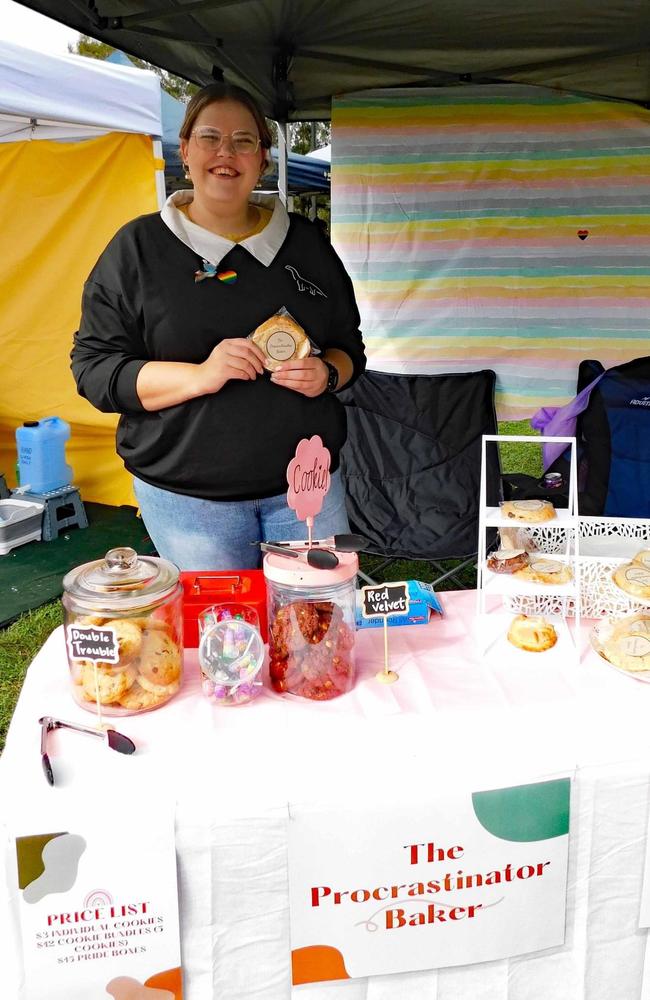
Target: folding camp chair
(411,464)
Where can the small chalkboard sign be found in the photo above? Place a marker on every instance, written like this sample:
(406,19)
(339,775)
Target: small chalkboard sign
(93,643)
(384,600)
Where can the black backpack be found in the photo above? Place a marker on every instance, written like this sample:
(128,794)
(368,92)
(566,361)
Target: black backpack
(613,436)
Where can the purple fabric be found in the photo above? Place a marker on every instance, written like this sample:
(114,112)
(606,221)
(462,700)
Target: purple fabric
(560,421)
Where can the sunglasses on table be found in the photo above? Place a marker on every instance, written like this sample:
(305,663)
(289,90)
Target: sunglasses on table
(212,139)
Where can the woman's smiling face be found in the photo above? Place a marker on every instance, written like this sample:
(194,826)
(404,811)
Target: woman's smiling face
(223,175)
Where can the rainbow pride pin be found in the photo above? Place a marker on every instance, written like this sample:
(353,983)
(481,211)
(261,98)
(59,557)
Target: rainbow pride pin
(228,277)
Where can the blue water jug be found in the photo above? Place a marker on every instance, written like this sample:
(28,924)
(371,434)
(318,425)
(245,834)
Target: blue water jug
(41,455)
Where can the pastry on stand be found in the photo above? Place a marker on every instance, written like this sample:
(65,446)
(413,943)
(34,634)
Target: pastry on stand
(532,633)
(529,511)
(634,578)
(507,560)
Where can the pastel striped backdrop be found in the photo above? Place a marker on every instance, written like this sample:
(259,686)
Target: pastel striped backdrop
(459,214)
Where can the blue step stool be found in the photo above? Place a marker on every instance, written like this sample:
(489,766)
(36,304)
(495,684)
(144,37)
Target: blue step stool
(55,518)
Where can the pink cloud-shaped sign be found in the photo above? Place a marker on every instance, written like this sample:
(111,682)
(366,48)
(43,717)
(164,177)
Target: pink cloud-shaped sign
(308,476)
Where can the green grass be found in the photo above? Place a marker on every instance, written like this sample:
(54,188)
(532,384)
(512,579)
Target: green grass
(20,642)
(520,457)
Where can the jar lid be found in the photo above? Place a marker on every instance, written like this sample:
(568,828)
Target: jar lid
(121,580)
(231,652)
(296,573)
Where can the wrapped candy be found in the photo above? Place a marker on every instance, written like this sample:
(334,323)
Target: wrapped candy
(231,655)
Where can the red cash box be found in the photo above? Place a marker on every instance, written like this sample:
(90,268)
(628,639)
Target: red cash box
(202,590)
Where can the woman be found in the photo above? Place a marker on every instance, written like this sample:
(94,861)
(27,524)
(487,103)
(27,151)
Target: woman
(205,430)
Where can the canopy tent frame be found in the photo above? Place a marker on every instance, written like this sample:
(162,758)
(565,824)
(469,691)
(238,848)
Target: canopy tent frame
(279,53)
(295,56)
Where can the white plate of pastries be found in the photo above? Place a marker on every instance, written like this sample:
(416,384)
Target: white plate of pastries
(624,642)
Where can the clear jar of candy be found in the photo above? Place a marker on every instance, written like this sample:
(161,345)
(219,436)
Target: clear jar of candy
(311,626)
(124,632)
(231,653)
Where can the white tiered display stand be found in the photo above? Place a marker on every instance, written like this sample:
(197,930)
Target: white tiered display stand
(501,596)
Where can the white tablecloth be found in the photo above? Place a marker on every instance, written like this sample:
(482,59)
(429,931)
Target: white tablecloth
(450,722)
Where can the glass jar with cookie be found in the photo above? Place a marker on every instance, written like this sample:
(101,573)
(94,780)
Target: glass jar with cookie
(124,632)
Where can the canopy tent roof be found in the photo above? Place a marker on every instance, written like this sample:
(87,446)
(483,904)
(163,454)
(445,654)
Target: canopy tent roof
(304,173)
(172,111)
(59,97)
(295,54)
(324,153)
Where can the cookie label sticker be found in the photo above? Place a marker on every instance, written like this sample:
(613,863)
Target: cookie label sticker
(546,566)
(90,642)
(280,346)
(528,504)
(635,645)
(636,574)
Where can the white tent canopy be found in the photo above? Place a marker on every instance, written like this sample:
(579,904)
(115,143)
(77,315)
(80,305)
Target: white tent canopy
(324,153)
(68,97)
(65,200)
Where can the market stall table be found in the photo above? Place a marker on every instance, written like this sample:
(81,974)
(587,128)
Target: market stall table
(450,722)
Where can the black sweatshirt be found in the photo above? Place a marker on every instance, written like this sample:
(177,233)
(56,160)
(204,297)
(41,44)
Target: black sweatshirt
(141,303)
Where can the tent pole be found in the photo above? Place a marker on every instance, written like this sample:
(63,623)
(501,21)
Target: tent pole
(160,172)
(283,137)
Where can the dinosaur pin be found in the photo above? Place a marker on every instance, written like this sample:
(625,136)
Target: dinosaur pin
(303,284)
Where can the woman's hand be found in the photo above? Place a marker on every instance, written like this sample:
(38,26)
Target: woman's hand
(307,376)
(166,383)
(237,358)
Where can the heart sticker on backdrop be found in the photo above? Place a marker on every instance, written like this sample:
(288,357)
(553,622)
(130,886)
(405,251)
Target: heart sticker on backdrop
(583,234)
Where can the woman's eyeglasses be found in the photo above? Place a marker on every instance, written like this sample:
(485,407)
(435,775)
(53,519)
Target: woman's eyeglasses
(211,139)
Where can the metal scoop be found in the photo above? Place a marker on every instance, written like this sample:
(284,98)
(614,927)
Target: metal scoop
(317,558)
(116,741)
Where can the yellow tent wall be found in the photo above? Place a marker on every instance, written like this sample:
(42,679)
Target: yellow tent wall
(61,204)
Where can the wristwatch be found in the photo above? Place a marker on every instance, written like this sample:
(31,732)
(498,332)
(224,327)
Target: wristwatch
(332,377)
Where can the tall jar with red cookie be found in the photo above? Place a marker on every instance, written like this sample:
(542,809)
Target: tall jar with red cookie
(124,632)
(311,626)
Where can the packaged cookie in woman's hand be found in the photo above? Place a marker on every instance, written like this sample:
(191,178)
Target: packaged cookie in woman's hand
(282,339)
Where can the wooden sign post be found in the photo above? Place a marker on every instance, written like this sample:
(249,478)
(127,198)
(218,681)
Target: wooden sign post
(383,600)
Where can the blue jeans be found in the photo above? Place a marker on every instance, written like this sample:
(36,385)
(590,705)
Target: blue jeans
(218,534)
